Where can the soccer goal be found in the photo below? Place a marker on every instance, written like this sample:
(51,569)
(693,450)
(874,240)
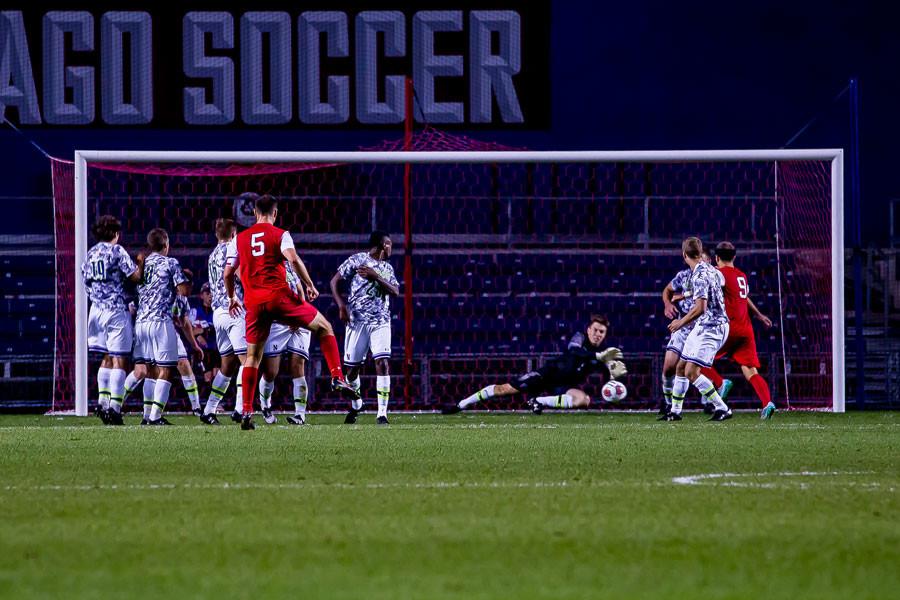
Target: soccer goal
(502,253)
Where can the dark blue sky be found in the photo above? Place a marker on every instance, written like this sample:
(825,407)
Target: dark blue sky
(641,74)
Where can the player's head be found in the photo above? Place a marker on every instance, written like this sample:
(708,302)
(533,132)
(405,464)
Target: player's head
(380,243)
(158,241)
(266,208)
(107,229)
(725,253)
(225,229)
(692,249)
(205,294)
(597,329)
(705,257)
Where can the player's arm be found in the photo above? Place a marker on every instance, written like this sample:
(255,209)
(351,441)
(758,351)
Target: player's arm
(311,293)
(668,298)
(372,275)
(757,314)
(698,309)
(338,298)
(184,323)
(232,261)
(138,274)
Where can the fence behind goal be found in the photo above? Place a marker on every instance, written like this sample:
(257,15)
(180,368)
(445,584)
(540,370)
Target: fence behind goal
(508,260)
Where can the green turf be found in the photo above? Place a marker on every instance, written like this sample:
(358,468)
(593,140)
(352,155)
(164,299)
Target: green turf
(471,506)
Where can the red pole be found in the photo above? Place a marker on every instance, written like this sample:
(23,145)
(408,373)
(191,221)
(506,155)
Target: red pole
(408,250)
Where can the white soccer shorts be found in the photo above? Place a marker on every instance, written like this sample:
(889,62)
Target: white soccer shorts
(361,338)
(704,343)
(182,351)
(156,343)
(110,331)
(231,333)
(677,339)
(282,339)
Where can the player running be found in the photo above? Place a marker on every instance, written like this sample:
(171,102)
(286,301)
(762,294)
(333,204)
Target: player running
(105,268)
(372,283)
(156,342)
(705,339)
(260,252)
(561,376)
(741,343)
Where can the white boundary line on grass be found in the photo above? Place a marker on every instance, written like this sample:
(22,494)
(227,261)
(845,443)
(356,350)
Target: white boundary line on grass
(727,479)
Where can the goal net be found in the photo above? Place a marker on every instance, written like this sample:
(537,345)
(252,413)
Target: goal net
(502,254)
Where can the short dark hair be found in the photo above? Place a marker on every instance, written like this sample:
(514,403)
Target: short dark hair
(726,251)
(224,229)
(266,204)
(157,239)
(106,228)
(692,247)
(377,238)
(595,318)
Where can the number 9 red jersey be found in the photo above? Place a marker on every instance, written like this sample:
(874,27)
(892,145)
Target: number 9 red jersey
(737,290)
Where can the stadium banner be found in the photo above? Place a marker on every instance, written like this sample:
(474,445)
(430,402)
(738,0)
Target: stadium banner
(283,64)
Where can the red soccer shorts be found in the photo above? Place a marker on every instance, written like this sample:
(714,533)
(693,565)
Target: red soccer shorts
(740,347)
(288,310)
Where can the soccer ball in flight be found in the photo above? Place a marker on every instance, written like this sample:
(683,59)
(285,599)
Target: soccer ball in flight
(613,391)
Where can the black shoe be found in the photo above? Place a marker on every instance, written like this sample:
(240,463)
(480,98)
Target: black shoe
(663,410)
(197,412)
(382,421)
(160,422)
(451,409)
(114,418)
(722,415)
(247,424)
(236,416)
(209,419)
(352,414)
(102,414)
(269,417)
(296,420)
(708,408)
(339,385)
(670,416)
(145,421)
(536,407)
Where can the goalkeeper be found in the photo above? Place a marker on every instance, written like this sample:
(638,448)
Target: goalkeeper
(558,380)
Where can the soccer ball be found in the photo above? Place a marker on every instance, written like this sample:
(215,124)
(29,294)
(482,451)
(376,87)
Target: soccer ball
(613,391)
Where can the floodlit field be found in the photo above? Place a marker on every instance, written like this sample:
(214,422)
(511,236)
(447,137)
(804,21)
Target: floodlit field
(470,506)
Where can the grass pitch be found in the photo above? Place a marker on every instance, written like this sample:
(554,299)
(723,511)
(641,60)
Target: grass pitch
(470,506)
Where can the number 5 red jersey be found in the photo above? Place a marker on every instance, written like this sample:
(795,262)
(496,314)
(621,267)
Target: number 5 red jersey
(261,262)
(737,290)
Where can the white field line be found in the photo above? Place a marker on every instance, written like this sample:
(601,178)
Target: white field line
(785,477)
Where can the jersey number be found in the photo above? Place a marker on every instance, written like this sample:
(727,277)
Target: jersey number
(744,288)
(98,270)
(259,248)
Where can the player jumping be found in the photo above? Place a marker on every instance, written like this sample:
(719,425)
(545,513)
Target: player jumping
(372,282)
(260,252)
(741,343)
(705,339)
(561,376)
(105,268)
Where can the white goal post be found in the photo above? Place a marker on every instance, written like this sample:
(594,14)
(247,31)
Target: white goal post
(834,156)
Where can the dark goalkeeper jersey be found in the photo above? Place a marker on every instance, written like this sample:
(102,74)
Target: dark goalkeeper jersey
(576,363)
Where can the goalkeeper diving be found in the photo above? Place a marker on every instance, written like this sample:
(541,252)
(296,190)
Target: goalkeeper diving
(557,383)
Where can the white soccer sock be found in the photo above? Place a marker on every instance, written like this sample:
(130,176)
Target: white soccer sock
(266,388)
(300,393)
(219,387)
(668,381)
(160,398)
(239,392)
(103,387)
(190,386)
(131,382)
(383,387)
(149,388)
(480,395)
(708,391)
(679,390)
(355,384)
(558,401)
(116,389)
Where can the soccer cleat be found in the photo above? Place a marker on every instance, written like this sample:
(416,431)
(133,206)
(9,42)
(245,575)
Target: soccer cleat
(768,411)
(209,419)
(664,408)
(672,416)
(725,388)
(382,420)
(236,416)
(247,423)
(708,408)
(296,420)
(339,385)
(197,412)
(160,422)
(269,417)
(145,421)
(352,414)
(722,415)
(536,407)
(114,418)
(451,409)
(102,414)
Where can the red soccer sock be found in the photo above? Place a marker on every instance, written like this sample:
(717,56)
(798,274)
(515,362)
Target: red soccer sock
(761,388)
(332,355)
(248,381)
(713,376)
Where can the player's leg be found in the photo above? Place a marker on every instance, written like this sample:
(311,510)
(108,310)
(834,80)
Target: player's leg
(380,344)
(570,398)
(219,386)
(103,395)
(120,341)
(356,345)
(745,355)
(270,367)
(149,391)
(165,356)
(699,352)
(97,344)
(298,349)
(670,364)
(188,380)
(258,323)
(529,381)
(144,367)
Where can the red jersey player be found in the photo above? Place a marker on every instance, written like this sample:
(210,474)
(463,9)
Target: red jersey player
(260,252)
(741,343)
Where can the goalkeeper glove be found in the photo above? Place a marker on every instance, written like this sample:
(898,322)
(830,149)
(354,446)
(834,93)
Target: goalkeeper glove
(609,354)
(616,369)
